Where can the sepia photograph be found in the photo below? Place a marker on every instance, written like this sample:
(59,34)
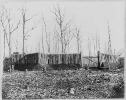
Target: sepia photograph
(62,50)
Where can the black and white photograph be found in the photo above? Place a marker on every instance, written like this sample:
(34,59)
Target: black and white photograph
(62,49)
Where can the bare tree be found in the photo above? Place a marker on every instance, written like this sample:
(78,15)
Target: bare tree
(49,42)
(68,38)
(112,58)
(42,40)
(24,21)
(109,46)
(47,35)
(16,45)
(97,42)
(8,28)
(94,44)
(63,26)
(4,30)
(78,39)
(39,46)
(105,50)
(56,40)
(89,49)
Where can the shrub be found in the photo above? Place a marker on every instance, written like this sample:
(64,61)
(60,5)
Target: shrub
(4,94)
(118,90)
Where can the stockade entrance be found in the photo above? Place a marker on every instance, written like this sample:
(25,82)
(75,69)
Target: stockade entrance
(101,61)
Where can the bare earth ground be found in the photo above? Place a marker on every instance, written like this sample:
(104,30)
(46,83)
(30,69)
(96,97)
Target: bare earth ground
(57,84)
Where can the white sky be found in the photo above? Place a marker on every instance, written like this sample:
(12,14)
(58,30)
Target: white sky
(91,17)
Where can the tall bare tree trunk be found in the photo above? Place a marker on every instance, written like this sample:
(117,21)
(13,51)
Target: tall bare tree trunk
(78,40)
(47,41)
(89,48)
(98,53)
(42,40)
(109,47)
(23,34)
(61,41)
(4,44)
(68,40)
(10,44)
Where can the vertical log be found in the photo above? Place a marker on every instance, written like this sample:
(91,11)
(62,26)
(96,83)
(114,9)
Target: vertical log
(98,59)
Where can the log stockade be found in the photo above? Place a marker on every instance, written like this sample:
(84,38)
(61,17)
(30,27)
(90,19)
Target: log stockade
(30,61)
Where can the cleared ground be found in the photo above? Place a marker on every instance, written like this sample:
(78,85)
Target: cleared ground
(58,84)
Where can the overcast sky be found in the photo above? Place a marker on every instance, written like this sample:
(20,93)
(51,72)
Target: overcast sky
(90,17)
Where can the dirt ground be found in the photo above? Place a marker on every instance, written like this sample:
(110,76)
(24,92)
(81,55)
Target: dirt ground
(70,84)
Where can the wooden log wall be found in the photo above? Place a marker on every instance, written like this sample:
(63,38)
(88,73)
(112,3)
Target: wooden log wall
(60,59)
(43,59)
(28,59)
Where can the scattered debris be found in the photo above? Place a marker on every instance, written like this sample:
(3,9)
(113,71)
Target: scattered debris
(80,85)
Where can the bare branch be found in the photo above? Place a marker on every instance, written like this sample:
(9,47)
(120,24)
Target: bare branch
(55,14)
(15,28)
(30,30)
(23,10)
(58,22)
(29,18)
(15,44)
(67,25)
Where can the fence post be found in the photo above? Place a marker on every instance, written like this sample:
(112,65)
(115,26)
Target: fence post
(81,59)
(98,59)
